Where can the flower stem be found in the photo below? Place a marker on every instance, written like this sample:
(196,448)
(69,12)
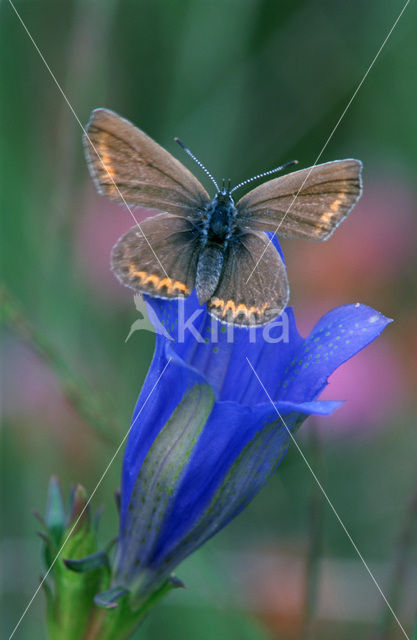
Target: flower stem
(73,387)
(401,565)
(414,636)
(315,537)
(120,623)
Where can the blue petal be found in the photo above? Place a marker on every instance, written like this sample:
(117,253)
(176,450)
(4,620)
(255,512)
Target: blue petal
(219,351)
(156,484)
(164,387)
(248,473)
(275,242)
(230,428)
(251,469)
(338,336)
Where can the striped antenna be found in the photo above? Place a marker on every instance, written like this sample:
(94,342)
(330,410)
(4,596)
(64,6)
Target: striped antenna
(266,173)
(200,164)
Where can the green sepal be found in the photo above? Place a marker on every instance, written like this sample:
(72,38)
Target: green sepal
(94,561)
(79,513)
(49,597)
(75,590)
(39,517)
(108,599)
(71,534)
(175,582)
(55,512)
(110,545)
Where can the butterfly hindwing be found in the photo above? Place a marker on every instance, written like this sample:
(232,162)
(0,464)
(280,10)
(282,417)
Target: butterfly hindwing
(246,296)
(309,203)
(128,166)
(158,258)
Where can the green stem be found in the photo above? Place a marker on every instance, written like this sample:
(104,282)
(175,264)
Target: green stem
(120,623)
(73,387)
(414,636)
(401,565)
(315,538)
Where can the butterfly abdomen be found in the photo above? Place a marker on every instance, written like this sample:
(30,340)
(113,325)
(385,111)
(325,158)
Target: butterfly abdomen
(209,269)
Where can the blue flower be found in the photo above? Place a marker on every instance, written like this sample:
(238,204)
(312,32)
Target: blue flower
(207,432)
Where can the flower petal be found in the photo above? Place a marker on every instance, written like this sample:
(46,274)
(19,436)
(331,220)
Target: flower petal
(219,351)
(157,481)
(229,430)
(336,337)
(249,472)
(167,382)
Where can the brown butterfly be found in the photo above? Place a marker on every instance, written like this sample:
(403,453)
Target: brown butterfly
(211,244)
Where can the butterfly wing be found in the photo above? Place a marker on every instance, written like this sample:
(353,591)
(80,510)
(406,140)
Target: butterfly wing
(159,257)
(128,166)
(309,203)
(245,296)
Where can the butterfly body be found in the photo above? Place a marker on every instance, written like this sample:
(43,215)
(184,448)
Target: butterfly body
(216,227)
(209,270)
(213,245)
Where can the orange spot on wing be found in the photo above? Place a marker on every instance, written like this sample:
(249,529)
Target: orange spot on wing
(106,166)
(172,286)
(335,206)
(225,305)
(326,219)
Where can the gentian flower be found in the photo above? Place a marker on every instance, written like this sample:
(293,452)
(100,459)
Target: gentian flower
(207,432)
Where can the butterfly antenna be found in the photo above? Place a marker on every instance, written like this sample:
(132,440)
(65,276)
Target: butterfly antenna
(265,173)
(200,164)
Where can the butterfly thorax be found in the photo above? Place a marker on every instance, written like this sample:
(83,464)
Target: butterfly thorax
(219,218)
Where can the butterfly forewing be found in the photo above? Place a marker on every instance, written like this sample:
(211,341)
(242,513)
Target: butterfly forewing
(128,166)
(245,296)
(309,203)
(159,258)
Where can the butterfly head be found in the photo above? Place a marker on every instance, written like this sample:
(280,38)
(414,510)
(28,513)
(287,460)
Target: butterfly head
(224,196)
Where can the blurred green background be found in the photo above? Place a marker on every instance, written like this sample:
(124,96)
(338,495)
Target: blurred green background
(247,84)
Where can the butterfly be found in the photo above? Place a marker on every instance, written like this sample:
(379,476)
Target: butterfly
(211,244)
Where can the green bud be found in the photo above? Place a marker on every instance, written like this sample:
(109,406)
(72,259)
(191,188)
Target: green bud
(76,570)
